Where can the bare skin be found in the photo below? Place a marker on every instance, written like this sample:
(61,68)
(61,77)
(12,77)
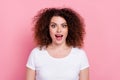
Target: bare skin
(30,74)
(58,48)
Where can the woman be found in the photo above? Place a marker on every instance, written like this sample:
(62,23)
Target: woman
(59,34)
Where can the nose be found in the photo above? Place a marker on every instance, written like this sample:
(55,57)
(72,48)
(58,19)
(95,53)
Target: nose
(58,29)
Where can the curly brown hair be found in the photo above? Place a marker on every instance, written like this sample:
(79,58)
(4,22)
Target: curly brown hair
(76,29)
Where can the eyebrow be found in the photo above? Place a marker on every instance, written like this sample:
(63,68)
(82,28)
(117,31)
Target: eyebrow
(55,23)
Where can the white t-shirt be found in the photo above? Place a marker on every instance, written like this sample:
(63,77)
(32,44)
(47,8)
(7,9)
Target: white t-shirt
(50,68)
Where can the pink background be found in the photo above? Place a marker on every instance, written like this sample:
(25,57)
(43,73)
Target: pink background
(102,42)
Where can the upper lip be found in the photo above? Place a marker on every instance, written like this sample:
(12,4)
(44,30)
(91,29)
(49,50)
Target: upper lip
(58,35)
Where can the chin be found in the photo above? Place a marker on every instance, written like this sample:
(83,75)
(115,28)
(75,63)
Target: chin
(59,42)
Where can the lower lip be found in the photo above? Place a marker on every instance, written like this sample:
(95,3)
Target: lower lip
(58,38)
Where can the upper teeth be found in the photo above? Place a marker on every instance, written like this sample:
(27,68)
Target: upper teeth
(58,35)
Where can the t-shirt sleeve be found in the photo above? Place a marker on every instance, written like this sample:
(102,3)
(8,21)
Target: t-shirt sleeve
(84,60)
(31,60)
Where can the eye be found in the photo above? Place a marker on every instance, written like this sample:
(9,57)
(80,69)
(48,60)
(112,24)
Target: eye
(53,25)
(64,25)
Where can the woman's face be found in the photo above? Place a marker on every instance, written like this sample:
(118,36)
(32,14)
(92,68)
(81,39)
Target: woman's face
(58,30)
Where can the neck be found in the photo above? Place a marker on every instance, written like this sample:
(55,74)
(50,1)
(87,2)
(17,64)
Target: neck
(58,46)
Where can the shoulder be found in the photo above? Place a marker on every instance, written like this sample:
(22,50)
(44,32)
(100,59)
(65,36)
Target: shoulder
(81,55)
(79,50)
(36,51)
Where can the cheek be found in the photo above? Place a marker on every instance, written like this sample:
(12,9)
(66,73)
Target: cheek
(66,32)
(52,32)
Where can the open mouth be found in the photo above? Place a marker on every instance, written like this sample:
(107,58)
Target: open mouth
(58,36)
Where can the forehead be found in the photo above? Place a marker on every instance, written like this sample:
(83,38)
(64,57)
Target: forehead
(58,19)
